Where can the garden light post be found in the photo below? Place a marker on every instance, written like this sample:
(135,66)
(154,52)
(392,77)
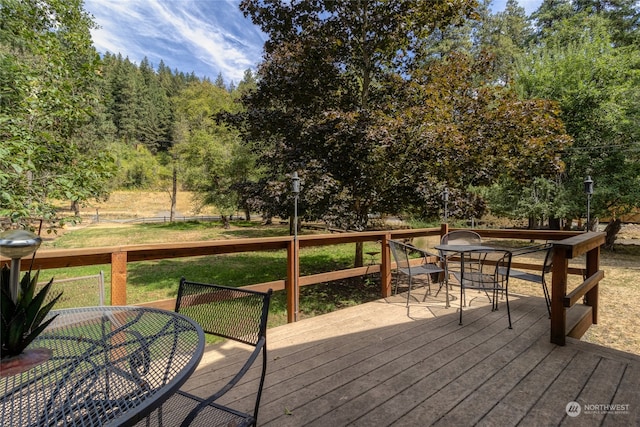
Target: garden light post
(588,189)
(17,244)
(295,180)
(445,199)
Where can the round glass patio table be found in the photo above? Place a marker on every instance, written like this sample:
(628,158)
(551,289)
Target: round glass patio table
(110,366)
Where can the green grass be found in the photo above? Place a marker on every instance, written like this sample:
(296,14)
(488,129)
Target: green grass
(156,280)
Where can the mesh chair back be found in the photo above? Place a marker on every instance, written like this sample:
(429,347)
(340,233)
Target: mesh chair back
(400,254)
(237,314)
(461,237)
(486,269)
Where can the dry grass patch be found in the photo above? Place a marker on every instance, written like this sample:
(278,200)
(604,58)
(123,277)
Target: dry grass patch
(143,204)
(618,308)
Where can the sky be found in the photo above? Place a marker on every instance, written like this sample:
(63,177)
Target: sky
(207,37)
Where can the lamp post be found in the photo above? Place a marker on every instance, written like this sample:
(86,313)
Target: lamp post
(445,199)
(588,189)
(295,188)
(17,244)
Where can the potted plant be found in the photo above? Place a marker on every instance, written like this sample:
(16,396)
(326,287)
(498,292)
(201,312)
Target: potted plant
(21,321)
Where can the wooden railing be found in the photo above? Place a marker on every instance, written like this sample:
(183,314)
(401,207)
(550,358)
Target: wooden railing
(568,245)
(561,301)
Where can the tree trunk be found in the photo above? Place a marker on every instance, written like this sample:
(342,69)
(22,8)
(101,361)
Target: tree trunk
(612,230)
(359,260)
(75,207)
(174,193)
(247,214)
(225,222)
(554,223)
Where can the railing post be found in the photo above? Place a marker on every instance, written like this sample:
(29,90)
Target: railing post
(293,294)
(559,274)
(385,266)
(444,229)
(591,297)
(119,278)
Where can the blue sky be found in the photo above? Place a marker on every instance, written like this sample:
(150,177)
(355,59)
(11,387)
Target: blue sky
(207,37)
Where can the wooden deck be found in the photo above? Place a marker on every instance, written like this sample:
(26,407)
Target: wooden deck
(381,364)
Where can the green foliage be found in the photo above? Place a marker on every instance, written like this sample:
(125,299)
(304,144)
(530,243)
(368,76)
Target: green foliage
(505,35)
(597,87)
(537,201)
(320,92)
(436,144)
(212,161)
(23,320)
(47,72)
(138,168)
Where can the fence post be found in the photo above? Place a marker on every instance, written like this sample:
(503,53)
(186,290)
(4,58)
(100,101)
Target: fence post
(119,278)
(444,229)
(591,297)
(293,294)
(559,274)
(385,266)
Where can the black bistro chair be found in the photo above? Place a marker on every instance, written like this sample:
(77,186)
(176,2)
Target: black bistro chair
(402,255)
(487,271)
(227,312)
(536,276)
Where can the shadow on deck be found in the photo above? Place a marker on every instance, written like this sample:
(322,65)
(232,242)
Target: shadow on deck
(382,364)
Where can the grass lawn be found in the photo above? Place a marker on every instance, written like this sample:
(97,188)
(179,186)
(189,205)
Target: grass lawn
(156,280)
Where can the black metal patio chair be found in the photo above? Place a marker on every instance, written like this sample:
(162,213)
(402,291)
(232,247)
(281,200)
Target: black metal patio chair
(402,256)
(232,313)
(451,260)
(536,276)
(486,270)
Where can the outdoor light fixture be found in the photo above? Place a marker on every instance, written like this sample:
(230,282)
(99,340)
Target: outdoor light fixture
(296,183)
(295,188)
(17,244)
(445,199)
(588,189)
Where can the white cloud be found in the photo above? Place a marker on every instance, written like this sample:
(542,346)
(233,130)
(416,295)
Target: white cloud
(204,36)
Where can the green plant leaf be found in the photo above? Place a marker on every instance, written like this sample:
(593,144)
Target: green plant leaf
(15,334)
(32,307)
(26,340)
(45,310)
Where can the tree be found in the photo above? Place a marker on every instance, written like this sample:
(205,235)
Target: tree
(597,86)
(211,160)
(352,97)
(48,73)
(622,18)
(454,127)
(506,36)
(314,109)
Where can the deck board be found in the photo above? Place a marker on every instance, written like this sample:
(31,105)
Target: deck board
(382,364)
